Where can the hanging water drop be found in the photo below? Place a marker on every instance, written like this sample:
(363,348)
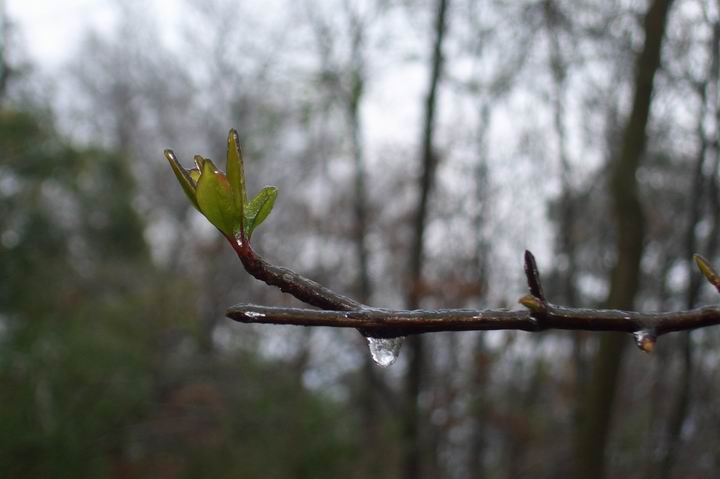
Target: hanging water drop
(645,340)
(385,351)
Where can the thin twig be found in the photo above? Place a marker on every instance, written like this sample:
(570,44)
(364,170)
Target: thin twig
(342,312)
(393,323)
(304,289)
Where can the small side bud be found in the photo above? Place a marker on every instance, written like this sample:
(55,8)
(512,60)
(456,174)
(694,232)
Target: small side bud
(532,303)
(645,340)
(707,270)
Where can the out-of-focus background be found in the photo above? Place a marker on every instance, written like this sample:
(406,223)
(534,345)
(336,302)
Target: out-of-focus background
(115,356)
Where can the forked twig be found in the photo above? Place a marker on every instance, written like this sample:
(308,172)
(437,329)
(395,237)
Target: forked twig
(540,315)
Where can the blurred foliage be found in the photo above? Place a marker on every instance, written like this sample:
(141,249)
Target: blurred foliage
(74,362)
(96,379)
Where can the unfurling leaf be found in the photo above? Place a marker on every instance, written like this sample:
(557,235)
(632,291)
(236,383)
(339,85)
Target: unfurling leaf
(258,209)
(236,173)
(223,199)
(215,200)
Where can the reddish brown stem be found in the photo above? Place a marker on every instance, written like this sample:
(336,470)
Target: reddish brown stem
(304,289)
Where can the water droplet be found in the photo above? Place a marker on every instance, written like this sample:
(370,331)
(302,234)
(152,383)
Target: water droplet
(645,340)
(385,351)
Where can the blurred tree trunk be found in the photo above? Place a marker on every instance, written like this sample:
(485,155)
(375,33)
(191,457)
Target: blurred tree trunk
(656,395)
(481,356)
(681,403)
(478,408)
(629,221)
(345,78)
(558,67)
(353,101)
(412,437)
(566,244)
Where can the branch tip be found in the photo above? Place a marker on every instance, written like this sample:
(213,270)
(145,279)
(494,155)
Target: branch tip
(533,276)
(707,270)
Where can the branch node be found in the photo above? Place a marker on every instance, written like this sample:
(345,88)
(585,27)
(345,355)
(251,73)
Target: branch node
(645,339)
(533,303)
(707,270)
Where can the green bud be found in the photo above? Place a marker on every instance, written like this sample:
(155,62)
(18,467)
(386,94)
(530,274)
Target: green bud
(223,199)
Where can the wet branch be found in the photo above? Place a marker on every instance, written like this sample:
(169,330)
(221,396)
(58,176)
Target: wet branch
(394,323)
(341,312)
(304,289)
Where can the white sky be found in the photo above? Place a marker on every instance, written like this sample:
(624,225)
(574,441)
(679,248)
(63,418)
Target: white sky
(50,28)
(50,31)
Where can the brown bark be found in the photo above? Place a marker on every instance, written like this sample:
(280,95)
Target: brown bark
(541,317)
(342,312)
(629,222)
(411,433)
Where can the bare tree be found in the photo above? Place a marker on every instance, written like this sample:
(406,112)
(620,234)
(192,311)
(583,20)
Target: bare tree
(345,76)
(706,88)
(629,220)
(412,433)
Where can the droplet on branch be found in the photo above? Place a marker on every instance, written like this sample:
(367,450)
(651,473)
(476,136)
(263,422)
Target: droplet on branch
(645,340)
(385,351)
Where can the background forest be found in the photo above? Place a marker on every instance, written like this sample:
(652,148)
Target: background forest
(419,147)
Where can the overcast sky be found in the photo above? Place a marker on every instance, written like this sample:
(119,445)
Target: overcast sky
(51,29)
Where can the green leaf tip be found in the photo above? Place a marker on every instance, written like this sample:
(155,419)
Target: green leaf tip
(185,177)
(236,173)
(223,198)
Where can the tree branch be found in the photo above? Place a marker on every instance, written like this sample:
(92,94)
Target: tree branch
(339,311)
(394,323)
(304,289)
